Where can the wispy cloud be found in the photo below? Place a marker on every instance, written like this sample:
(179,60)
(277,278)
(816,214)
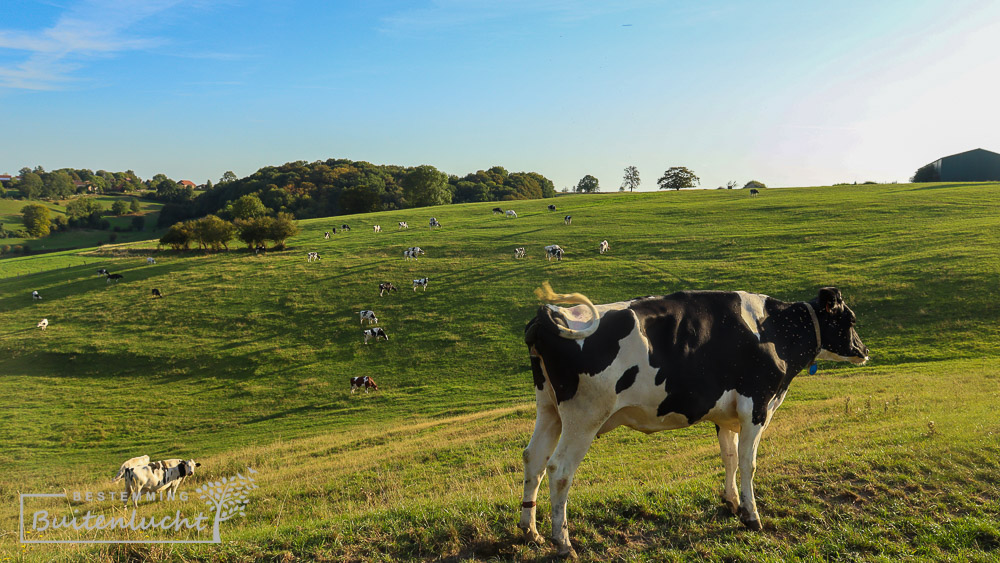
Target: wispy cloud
(88,30)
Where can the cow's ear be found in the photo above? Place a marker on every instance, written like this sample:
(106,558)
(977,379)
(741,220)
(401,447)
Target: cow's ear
(197,464)
(830,299)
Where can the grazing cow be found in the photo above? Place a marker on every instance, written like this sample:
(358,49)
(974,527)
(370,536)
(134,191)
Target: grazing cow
(659,363)
(35,296)
(45,322)
(422,282)
(155,478)
(102,272)
(156,293)
(130,464)
(434,222)
(497,211)
(568,219)
(554,251)
(511,214)
(326,235)
(552,207)
(412,252)
(375,333)
(150,260)
(345,227)
(114,277)
(403,225)
(385,288)
(604,247)
(368,315)
(313,256)
(366,381)
(754,191)
(519,252)
(377,228)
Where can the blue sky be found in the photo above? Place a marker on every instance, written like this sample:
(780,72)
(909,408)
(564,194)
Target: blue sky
(788,93)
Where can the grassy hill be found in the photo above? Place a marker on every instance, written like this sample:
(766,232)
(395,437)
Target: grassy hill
(246,360)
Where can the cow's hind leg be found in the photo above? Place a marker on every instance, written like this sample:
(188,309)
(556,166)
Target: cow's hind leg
(536,456)
(562,467)
(728,440)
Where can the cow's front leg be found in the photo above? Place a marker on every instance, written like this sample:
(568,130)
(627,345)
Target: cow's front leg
(536,456)
(748,439)
(728,440)
(573,445)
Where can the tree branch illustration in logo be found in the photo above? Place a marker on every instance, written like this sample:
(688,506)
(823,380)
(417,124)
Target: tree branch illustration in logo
(228,496)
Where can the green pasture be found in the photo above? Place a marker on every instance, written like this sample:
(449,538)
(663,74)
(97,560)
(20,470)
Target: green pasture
(246,361)
(10,216)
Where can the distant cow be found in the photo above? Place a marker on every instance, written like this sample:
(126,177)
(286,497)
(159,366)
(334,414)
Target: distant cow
(114,277)
(102,272)
(412,252)
(659,363)
(754,191)
(156,293)
(150,260)
(129,464)
(367,315)
(313,256)
(422,282)
(554,251)
(497,211)
(403,225)
(154,479)
(511,214)
(366,381)
(377,228)
(35,296)
(604,247)
(552,207)
(568,219)
(519,252)
(375,333)
(434,222)
(45,322)
(326,235)
(385,288)
(259,249)
(345,227)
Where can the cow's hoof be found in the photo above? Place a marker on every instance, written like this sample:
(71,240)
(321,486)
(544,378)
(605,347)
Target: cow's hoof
(567,553)
(533,537)
(733,507)
(752,525)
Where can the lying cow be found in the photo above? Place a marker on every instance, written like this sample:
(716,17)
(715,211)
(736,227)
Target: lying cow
(385,288)
(658,363)
(554,251)
(519,252)
(152,478)
(367,315)
(130,464)
(375,333)
(422,282)
(35,296)
(604,247)
(365,381)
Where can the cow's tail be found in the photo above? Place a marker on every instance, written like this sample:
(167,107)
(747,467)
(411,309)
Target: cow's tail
(546,295)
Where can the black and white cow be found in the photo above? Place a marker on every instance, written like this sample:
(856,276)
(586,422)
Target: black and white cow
(553,251)
(519,252)
(114,277)
(153,478)
(754,191)
(313,256)
(368,315)
(157,294)
(497,211)
(102,272)
(604,247)
(385,287)
(422,282)
(377,228)
(35,296)
(345,227)
(326,235)
(412,252)
(434,222)
(568,219)
(552,207)
(511,214)
(659,363)
(403,225)
(150,260)
(259,250)
(375,333)
(365,381)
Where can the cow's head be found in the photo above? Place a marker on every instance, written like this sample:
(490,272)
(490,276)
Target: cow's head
(372,384)
(836,323)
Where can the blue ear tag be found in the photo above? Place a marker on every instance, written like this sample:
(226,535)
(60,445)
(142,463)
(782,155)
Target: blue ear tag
(813,368)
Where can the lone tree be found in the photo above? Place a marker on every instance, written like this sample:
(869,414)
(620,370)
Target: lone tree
(36,220)
(588,184)
(926,173)
(631,180)
(677,177)
(755,185)
(119,207)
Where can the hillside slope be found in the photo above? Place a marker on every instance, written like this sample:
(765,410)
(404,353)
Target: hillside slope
(246,359)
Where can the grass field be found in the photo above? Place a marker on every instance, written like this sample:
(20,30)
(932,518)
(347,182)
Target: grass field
(10,216)
(245,362)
